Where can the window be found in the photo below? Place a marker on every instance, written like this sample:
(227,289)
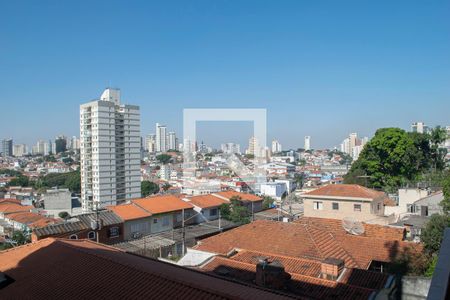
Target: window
(91,235)
(335,206)
(114,232)
(73,237)
(165,221)
(318,205)
(357,207)
(213,212)
(155,221)
(378,206)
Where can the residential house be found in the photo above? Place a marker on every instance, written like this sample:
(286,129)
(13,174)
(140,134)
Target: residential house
(339,201)
(153,215)
(252,202)
(207,207)
(136,220)
(110,230)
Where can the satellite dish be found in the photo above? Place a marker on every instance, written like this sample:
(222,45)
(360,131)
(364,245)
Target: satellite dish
(352,226)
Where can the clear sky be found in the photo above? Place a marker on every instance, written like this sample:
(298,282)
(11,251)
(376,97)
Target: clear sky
(320,68)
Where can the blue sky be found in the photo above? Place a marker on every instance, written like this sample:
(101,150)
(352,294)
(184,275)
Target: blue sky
(320,68)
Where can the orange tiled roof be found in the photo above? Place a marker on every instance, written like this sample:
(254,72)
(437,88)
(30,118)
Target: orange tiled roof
(82,269)
(129,212)
(244,196)
(370,230)
(310,287)
(346,190)
(8,207)
(162,204)
(206,201)
(307,241)
(30,219)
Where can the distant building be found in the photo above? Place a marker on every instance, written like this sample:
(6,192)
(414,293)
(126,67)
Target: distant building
(110,151)
(60,144)
(419,127)
(276,146)
(307,145)
(231,148)
(7,147)
(165,172)
(172,141)
(254,147)
(354,145)
(150,143)
(19,150)
(161,138)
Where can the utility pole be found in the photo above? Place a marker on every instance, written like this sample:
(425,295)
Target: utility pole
(220,229)
(183,231)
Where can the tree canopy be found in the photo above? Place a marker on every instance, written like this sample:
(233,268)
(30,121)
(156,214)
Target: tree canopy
(394,157)
(149,188)
(164,158)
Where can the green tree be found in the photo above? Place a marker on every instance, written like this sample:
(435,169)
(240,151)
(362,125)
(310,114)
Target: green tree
(445,203)
(73,181)
(21,237)
(267,202)
(149,188)
(225,211)
(433,233)
(64,215)
(20,180)
(389,160)
(166,187)
(438,136)
(164,158)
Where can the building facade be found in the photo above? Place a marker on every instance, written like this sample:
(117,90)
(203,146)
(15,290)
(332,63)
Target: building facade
(109,151)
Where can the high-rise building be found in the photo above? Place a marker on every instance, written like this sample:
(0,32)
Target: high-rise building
(60,144)
(172,141)
(419,127)
(19,150)
(254,147)
(307,145)
(231,148)
(276,146)
(150,143)
(109,151)
(161,138)
(353,145)
(7,147)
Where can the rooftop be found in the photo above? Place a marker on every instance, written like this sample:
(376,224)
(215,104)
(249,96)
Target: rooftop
(311,240)
(161,204)
(129,212)
(206,201)
(346,190)
(83,269)
(244,196)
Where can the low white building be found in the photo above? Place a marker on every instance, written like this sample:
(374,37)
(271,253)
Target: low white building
(274,189)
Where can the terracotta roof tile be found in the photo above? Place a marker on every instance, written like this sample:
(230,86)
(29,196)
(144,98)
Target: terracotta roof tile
(30,219)
(308,241)
(162,204)
(300,285)
(346,190)
(206,201)
(244,196)
(82,269)
(129,212)
(8,207)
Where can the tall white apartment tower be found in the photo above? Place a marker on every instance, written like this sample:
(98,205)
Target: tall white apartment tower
(307,145)
(161,138)
(110,151)
(172,141)
(276,146)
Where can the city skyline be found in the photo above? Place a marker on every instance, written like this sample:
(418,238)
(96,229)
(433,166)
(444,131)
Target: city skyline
(317,73)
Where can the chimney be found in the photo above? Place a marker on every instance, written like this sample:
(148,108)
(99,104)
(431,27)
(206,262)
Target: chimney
(331,268)
(271,275)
